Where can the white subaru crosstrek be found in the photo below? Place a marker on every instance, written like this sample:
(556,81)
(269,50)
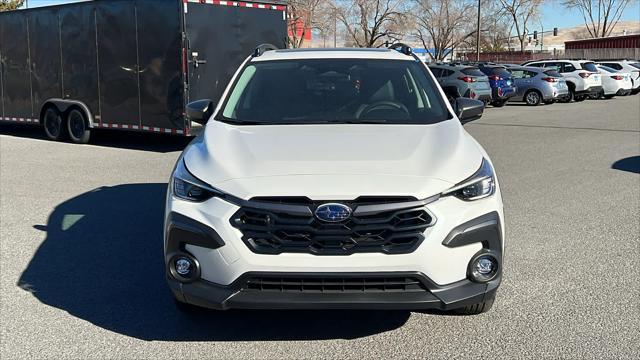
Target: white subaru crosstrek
(334,179)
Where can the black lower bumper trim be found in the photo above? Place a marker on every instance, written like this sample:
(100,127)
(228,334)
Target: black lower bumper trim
(234,296)
(594,90)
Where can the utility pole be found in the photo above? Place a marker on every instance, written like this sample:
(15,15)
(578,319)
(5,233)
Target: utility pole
(478,34)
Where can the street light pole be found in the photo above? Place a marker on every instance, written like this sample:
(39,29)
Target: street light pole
(478,34)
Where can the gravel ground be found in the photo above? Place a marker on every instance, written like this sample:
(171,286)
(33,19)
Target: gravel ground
(81,258)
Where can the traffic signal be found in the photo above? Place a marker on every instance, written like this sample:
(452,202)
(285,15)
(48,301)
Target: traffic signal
(555,31)
(535,35)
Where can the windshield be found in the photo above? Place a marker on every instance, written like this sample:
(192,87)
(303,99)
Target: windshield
(473,72)
(589,66)
(500,71)
(350,91)
(607,69)
(553,73)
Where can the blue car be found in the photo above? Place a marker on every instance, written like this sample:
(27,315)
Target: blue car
(501,82)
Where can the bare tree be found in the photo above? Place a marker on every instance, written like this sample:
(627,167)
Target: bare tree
(600,16)
(443,24)
(496,27)
(368,23)
(325,22)
(521,13)
(6,5)
(301,20)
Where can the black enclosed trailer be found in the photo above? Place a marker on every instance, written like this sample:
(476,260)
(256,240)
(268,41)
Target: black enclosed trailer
(126,64)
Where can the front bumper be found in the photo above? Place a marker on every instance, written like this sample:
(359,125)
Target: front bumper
(440,263)
(237,296)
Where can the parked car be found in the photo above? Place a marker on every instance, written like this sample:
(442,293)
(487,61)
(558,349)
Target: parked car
(582,76)
(334,179)
(501,82)
(614,82)
(465,81)
(536,85)
(626,66)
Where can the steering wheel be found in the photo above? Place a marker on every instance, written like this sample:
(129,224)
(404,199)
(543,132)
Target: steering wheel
(384,105)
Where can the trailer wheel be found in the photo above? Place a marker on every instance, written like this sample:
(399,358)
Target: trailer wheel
(52,123)
(77,127)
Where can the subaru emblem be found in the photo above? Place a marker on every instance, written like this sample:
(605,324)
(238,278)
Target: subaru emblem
(333,213)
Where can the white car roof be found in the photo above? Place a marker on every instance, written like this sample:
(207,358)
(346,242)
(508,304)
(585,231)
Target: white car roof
(340,53)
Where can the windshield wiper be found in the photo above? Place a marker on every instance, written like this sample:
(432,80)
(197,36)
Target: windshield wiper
(369,121)
(242,122)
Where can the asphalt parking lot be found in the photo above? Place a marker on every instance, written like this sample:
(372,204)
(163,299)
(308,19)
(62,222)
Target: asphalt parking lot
(81,268)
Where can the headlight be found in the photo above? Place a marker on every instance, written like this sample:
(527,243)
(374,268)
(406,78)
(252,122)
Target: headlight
(479,186)
(187,187)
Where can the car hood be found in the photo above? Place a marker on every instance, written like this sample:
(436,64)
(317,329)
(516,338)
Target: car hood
(333,161)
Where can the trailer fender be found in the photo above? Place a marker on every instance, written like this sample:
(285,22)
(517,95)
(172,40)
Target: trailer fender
(63,105)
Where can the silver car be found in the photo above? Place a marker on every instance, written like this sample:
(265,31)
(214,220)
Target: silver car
(537,85)
(462,81)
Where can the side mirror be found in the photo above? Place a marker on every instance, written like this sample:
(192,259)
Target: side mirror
(467,109)
(200,111)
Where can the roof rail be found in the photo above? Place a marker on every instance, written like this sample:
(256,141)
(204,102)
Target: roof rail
(403,48)
(261,49)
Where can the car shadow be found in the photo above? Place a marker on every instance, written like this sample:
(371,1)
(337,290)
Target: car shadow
(630,164)
(130,140)
(102,261)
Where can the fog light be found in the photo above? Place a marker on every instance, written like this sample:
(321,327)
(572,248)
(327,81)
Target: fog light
(484,268)
(183,266)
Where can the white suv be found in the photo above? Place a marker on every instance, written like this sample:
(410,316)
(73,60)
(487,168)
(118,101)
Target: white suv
(334,179)
(626,66)
(582,76)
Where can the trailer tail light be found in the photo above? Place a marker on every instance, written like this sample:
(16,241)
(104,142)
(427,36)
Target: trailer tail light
(495,78)
(551,79)
(617,77)
(584,75)
(467,79)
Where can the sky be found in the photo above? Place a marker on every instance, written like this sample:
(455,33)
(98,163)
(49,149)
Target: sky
(553,13)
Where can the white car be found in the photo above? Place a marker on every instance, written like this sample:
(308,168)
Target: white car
(334,179)
(626,66)
(614,82)
(582,76)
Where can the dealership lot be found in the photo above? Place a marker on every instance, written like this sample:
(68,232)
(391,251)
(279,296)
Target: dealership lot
(81,266)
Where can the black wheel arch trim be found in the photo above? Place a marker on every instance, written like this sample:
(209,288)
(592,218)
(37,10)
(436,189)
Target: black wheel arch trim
(182,230)
(484,229)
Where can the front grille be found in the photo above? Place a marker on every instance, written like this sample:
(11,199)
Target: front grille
(386,226)
(334,284)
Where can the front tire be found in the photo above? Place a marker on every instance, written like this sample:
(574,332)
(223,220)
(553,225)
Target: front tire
(476,309)
(77,127)
(53,124)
